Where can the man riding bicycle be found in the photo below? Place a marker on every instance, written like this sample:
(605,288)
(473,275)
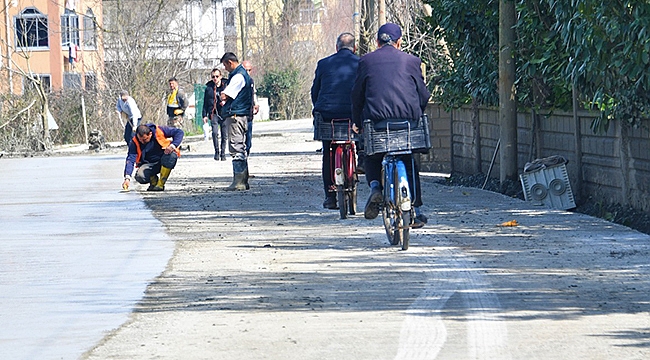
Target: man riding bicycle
(389,88)
(330,95)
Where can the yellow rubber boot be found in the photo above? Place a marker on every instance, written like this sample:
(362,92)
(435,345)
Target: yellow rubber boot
(164,174)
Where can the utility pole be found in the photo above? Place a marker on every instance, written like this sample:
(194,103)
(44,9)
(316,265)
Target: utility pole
(242,26)
(507,93)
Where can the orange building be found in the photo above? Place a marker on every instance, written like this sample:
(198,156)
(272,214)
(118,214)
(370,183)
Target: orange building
(56,40)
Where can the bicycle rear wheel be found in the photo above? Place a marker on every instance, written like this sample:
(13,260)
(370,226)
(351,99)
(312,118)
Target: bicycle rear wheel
(342,200)
(405,233)
(352,199)
(389,216)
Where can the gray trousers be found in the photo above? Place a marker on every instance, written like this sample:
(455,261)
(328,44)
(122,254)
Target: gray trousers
(237,126)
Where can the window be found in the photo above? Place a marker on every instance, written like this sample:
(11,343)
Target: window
(250,19)
(31,29)
(46,80)
(229,16)
(308,13)
(90,30)
(71,81)
(91,82)
(69,28)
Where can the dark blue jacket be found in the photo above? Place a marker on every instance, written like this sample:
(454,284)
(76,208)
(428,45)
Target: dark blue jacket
(388,85)
(330,92)
(241,104)
(212,94)
(152,151)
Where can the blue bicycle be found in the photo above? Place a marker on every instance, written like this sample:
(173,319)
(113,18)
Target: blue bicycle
(398,142)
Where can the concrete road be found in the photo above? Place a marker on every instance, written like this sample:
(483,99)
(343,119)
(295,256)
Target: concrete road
(270,274)
(71,265)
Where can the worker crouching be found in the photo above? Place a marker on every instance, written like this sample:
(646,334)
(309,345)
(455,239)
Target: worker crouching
(153,151)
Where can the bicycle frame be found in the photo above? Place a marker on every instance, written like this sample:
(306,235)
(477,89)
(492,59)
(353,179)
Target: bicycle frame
(343,166)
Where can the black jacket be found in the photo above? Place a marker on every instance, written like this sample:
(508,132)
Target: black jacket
(211,97)
(389,85)
(330,92)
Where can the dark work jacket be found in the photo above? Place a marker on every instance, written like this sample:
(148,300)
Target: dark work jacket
(152,151)
(241,104)
(389,85)
(330,92)
(212,93)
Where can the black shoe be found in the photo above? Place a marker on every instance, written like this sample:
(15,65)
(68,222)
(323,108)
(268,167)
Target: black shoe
(216,156)
(330,203)
(157,188)
(374,204)
(151,187)
(419,221)
(223,158)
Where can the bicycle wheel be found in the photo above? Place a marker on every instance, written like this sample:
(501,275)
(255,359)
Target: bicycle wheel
(405,234)
(342,199)
(389,216)
(352,199)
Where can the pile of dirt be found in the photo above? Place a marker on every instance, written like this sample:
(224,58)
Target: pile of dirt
(616,213)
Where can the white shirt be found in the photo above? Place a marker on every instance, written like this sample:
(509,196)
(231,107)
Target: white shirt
(129,107)
(235,85)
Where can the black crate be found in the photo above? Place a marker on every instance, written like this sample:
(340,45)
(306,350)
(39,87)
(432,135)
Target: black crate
(413,138)
(334,130)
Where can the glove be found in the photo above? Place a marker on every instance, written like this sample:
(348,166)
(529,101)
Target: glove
(178,112)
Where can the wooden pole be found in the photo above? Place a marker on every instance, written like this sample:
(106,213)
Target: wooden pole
(507,94)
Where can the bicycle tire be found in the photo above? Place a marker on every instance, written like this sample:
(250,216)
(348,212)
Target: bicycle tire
(342,199)
(405,233)
(352,200)
(389,221)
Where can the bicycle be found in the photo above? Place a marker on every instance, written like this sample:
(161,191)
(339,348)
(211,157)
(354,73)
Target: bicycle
(342,161)
(398,142)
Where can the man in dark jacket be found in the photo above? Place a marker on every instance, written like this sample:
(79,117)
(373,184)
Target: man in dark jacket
(153,150)
(212,112)
(238,96)
(330,95)
(389,87)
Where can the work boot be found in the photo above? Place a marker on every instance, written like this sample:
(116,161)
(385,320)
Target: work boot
(374,201)
(164,174)
(246,176)
(153,181)
(330,202)
(239,176)
(420,220)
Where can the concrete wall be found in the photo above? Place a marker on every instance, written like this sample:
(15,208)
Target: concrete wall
(612,167)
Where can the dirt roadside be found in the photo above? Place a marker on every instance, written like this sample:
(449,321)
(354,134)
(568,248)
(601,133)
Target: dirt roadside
(269,274)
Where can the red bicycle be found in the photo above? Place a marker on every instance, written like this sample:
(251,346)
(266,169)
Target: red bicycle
(343,164)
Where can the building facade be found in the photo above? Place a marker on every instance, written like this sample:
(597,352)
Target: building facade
(56,41)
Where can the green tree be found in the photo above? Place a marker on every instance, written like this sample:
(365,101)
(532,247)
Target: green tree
(469,30)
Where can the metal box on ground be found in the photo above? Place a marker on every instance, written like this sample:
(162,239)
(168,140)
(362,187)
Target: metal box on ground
(549,186)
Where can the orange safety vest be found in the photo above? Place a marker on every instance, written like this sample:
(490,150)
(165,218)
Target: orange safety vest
(162,140)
